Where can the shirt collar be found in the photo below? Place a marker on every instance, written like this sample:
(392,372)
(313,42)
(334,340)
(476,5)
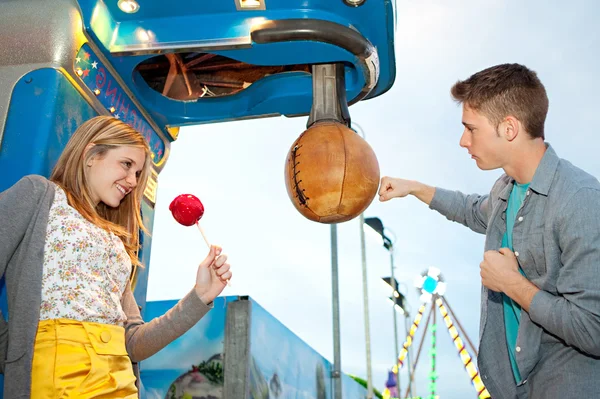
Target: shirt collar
(544,174)
(542,179)
(506,191)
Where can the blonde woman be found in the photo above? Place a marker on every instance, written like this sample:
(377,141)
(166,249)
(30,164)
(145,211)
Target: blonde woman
(67,249)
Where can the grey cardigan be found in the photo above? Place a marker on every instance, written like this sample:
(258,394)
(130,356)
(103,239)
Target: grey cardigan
(24,212)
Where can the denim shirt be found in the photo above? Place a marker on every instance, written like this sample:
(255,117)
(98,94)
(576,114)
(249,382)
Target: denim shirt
(556,239)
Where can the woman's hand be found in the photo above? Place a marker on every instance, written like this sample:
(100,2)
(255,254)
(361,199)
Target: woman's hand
(212,276)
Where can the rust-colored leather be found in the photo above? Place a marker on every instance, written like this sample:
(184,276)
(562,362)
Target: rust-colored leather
(331,173)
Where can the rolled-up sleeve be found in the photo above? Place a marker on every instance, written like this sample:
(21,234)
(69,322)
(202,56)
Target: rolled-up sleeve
(574,314)
(469,210)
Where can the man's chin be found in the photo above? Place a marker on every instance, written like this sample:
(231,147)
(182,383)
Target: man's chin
(483,166)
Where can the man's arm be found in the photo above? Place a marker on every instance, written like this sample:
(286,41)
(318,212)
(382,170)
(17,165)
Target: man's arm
(469,210)
(500,273)
(522,292)
(423,192)
(574,314)
(397,188)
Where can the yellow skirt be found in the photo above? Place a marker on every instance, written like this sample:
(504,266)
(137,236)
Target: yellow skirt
(75,359)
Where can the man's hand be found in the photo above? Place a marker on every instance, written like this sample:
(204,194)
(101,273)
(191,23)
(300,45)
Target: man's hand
(500,273)
(498,269)
(391,187)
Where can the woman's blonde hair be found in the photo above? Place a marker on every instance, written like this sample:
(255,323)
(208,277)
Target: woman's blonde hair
(105,133)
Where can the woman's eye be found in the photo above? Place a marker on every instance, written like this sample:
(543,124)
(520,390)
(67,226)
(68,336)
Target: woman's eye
(127,164)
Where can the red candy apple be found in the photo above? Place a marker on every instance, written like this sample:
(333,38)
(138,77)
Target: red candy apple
(187,209)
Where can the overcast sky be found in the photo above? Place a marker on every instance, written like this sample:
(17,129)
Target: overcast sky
(282,260)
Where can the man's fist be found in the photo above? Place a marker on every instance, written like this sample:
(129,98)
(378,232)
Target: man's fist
(391,187)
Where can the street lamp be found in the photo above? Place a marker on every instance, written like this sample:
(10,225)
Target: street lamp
(376,226)
(377,230)
(397,298)
(336,373)
(359,130)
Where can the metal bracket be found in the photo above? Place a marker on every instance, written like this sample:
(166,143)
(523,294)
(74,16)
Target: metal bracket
(329,95)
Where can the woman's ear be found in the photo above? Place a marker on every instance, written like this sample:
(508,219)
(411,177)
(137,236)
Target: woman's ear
(85,151)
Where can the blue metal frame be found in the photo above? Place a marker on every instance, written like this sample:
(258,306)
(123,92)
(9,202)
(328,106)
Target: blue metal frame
(219,28)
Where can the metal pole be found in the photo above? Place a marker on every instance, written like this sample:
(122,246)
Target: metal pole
(336,373)
(366,307)
(394,308)
(365,287)
(395,289)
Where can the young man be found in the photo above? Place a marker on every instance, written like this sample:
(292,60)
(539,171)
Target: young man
(540,305)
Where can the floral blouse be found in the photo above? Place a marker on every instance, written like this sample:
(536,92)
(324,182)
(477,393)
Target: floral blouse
(86,268)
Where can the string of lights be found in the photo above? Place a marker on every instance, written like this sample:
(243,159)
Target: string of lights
(409,338)
(463,353)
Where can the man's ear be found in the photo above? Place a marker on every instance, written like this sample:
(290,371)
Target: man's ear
(85,151)
(510,128)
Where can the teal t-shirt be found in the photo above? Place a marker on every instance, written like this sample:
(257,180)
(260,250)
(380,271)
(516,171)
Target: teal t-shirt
(512,310)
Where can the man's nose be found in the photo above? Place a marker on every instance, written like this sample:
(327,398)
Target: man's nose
(465,140)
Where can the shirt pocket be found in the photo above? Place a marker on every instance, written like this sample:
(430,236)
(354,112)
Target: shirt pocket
(531,257)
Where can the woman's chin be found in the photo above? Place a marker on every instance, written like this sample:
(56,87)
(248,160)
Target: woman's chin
(113,203)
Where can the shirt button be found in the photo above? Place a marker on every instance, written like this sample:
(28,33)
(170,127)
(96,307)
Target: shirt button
(527,192)
(520,218)
(518,349)
(516,253)
(105,336)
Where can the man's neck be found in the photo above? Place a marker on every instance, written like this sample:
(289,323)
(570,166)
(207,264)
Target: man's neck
(525,161)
